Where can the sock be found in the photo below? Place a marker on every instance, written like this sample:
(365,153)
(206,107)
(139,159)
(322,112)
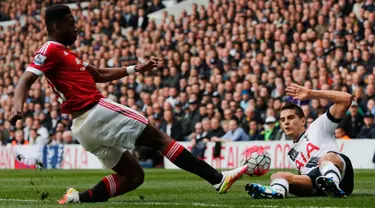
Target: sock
(106,188)
(328,169)
(182,158)
(281,186)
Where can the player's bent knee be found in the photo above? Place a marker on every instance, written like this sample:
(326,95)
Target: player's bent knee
(140,178)
(332,157)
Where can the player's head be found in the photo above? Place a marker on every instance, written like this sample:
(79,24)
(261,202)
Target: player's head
(292,120)
(60,24)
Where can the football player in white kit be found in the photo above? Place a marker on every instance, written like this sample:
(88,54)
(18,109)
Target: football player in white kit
(315,153)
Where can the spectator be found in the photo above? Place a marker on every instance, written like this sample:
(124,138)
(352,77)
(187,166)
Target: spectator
(309,121)
(353,122)
(68,138)
(19,139)
(368,130)
(192,117)
(4,134)
(35,138)
(155,6)
(41,131)
(171,126)
(28,127)
(340,133)
(57,138)
(54,119)
(235,133)
(254,132)
(198,141)
(140,20)
(271,132)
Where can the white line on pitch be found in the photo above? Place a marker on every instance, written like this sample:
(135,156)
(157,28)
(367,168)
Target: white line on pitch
(20,200)
(179,204)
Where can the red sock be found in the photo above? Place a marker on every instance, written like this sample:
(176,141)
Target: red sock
(182,158)
(111,183)
(105,189)
(173,150)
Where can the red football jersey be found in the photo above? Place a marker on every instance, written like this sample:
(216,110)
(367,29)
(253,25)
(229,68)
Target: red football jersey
(66,75)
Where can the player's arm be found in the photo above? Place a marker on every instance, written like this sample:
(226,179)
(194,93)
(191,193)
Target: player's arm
(26,80)
(341,100)
(110,74)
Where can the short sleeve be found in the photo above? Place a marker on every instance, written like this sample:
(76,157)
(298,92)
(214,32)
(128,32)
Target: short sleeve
(44,60)
(326,122)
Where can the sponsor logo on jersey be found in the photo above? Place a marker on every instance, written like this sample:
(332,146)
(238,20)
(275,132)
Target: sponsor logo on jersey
(39,59)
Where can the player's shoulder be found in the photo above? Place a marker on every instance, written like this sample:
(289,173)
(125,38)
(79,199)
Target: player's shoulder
(50,47)
(49,50)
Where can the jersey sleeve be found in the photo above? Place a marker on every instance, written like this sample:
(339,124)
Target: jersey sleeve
(44,60)
(326,123)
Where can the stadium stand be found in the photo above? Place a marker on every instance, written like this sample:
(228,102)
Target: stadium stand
(228,60)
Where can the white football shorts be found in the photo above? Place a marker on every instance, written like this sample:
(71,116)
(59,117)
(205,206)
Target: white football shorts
(108,129)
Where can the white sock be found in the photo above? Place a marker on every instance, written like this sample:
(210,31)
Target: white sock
(328,169)
(281,186)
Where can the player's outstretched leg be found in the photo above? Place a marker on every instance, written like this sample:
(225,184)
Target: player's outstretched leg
(331,167)
(154,138)
(282,183)
(129,176)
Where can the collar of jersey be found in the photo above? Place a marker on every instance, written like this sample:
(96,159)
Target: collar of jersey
(300,137)
(50,41)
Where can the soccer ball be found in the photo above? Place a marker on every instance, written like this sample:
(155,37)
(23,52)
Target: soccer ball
(257,160)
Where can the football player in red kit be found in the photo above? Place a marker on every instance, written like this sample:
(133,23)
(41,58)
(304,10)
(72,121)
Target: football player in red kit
(103,127)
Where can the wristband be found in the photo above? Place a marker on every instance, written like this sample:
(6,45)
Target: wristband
(85,64)
(130,69)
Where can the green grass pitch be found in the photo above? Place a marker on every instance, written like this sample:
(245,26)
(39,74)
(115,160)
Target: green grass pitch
(162,188)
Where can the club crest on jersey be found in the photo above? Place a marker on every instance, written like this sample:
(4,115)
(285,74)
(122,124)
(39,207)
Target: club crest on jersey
(78,61)
(39,59)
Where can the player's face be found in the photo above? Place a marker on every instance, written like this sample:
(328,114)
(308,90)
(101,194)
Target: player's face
(68,30)
(291,124)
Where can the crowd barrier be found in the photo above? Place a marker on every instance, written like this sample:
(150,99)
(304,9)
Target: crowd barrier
(360,151)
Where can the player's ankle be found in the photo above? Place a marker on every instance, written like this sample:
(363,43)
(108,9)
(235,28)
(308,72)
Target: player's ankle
(281,186)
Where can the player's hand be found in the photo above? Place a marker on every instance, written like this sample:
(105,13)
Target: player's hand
(14,115)
(298,92)
(152,63)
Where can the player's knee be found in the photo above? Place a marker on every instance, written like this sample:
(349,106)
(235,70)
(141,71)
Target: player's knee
(331,157)
(139,178)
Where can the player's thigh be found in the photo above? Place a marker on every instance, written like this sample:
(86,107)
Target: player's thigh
(154,138)
(347,181)
(335,158)
(129,166)
(299,185)
(108,156)
(115,125)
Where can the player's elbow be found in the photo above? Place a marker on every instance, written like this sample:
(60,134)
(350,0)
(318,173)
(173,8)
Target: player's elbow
(347,101)
(99,79)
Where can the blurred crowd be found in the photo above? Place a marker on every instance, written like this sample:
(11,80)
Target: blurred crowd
(225,71)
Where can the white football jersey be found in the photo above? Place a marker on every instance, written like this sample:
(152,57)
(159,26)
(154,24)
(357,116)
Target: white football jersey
(317,140)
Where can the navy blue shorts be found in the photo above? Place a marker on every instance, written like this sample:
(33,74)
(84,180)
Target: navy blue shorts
(346,184)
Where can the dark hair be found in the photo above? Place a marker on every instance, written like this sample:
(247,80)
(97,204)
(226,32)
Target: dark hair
(296,108)
(235,119)
(55,13)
